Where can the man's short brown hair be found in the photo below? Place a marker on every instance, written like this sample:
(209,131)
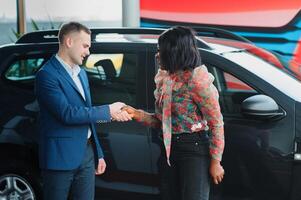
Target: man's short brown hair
(71,27)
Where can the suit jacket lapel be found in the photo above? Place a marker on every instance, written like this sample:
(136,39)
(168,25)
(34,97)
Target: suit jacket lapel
(84,81)
(64,74)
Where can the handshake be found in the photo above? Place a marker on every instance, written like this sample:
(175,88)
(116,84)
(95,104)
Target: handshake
(121,112)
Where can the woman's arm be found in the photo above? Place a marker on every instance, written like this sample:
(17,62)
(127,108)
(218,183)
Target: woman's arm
(148,119)
(205,95)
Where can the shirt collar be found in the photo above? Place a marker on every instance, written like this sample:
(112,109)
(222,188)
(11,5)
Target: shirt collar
(72,71)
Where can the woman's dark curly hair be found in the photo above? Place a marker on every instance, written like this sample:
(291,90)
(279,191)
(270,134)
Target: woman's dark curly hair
(178,49)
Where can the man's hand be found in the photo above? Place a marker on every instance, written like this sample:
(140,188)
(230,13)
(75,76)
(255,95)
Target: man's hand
(131,111)
(216,171)
(118,114)
(101,167)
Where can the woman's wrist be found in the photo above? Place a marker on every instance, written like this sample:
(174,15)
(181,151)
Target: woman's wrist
(138,114)
(216,162)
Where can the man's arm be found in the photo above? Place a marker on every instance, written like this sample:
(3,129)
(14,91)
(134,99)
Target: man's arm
(50,95)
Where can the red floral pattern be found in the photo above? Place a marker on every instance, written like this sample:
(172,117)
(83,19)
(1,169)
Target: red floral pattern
(185,102)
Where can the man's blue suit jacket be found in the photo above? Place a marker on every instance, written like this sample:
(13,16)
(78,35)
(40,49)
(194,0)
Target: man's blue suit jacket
(65,117)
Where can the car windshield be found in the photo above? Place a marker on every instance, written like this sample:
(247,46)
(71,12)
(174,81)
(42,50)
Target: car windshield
(290,67)
(268,70)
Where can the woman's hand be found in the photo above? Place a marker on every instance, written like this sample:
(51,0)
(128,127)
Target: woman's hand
(216,171)
(134,113)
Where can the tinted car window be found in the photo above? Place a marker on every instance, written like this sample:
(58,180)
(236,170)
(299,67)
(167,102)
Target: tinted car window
(112,78)
(232,91)
(24,69)
(234,84)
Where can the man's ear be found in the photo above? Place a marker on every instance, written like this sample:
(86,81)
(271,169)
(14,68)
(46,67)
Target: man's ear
(68,42)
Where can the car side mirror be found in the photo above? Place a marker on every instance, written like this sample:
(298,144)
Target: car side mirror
(262,107)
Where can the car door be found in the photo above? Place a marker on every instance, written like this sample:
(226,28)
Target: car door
(258,152)
(19,171)
(18,107)
(117,72)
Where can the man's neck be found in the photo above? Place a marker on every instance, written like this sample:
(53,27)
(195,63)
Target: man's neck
(65,58)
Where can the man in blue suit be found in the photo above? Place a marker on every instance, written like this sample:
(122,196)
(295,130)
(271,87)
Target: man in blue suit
(69,151)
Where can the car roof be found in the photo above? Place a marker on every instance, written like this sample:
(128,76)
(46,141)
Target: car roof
(130,35)
(216,40)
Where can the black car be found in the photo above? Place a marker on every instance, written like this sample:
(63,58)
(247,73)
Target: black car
(260,99)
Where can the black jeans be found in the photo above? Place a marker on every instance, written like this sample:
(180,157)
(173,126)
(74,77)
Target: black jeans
(188,176)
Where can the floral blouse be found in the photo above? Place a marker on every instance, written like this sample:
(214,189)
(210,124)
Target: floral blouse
(187,101)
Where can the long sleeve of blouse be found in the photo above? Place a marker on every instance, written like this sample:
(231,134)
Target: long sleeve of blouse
(205,95)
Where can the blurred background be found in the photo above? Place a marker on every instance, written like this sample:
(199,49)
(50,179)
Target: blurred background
(272,24)
(49,14)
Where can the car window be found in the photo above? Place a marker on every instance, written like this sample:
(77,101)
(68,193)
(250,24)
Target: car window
(113,77)
(232,91)
(234,84)
(24,69)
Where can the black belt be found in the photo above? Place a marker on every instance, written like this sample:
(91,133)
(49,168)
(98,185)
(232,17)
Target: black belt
(200,134)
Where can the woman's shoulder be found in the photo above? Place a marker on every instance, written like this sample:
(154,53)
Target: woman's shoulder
(200,70)
(160,76)
(201,73)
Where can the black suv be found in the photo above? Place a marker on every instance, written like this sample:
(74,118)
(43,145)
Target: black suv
(260,98)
